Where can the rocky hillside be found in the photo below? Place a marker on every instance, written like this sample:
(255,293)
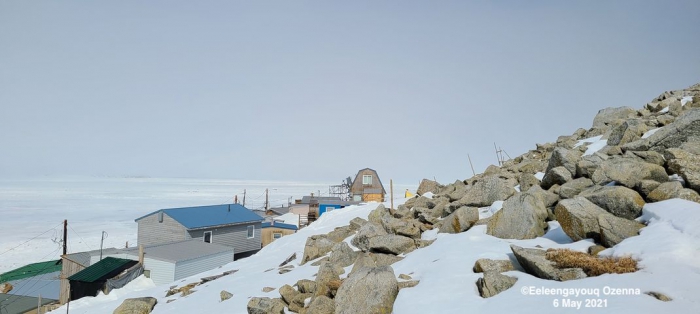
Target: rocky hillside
(573,214)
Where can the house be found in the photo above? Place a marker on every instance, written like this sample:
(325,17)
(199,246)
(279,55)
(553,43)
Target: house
(18,304)
(93,279)
(230,225)
(273,230)
(367,187)
(28,283)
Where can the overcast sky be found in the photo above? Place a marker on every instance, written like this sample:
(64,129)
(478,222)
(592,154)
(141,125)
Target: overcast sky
(316,90)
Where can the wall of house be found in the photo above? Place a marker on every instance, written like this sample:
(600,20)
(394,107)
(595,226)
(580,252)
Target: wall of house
(161,272)
(358,188)
(71,264)
(195,266)
(152,232)
(234,236)
(372,197)
(267,237)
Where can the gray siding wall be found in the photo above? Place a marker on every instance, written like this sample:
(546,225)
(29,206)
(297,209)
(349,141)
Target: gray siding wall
(233,236)
(161,272)
(195,266)
(152,232)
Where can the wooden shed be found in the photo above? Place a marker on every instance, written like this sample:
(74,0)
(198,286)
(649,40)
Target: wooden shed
(272,231)
(367,186)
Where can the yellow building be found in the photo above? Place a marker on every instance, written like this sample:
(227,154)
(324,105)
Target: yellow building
(272,231)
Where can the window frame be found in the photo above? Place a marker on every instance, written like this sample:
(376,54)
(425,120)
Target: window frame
(364,179)
(211,236)
(250,229)
(276,235)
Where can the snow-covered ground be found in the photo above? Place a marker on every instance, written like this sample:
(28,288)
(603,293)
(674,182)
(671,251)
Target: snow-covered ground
(32,210)
(668,250)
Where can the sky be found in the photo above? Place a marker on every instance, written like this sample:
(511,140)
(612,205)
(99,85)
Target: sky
(316,90)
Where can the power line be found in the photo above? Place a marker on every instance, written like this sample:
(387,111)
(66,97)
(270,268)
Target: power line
(81,238)
(35,282)
(25,242)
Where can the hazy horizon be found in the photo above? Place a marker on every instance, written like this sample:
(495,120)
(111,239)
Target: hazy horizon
(315,91)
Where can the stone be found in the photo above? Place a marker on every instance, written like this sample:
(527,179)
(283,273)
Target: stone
(327,273)
(627,132)
(340,233)
(342,255)
(595,249)
(488,190)
(320,261)
(648,156)
(423,201)
(6,287)
(356,223)
(535,263)
(557,175)
(522,217)
(306,286)
(316,246)
(288,293)
(527,180)
(484,265)
(686,126)
(609,116)
(646,186)
(426,186)
(659,296)
(458,193)
(374,260)
(460,220)
(562,157)
(321,305)
(578,218)
(688,167)
(376,215)
(136,306)
(267,289)
(391,244)
(405,277)
(408,284)
(297,304)
(494,283)
(368,231)
(664,191)
(411,230)
(401,212)
(617,200)
(369,290)
(628,172)
(589,164)
(615,229)
(225,295)
(258,305)
(574,187)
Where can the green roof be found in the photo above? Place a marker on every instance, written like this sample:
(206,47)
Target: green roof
(107,267)
(31,270)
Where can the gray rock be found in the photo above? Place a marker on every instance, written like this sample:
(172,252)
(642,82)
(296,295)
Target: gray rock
(557,175)
(488,190)
(316,246)
(342,255)
(402,212)
(614,229)
(673,135)
(426,186)
(327,273)
(321,305)
(665,191)
(494,283)
(578,218)
(458,193)
(340,233)
(374,260)
(356,223)
(408,284)
(423,201)
(527,180)
(405,277)
(459,221)
(535,263)
(136,306)
(411,230)
(574,187)
(589,164)
(225,295)
(306,286)
(646,186)
(628,172)
(659,296)
(369,230)
(562,157)
(522,217)
(609,116)
(376,215)
(265,305)
(628,131)
(688,167)
(648,156)
(485,265)
(268,289)
(288,293)
(392,244)
(369,290)
(617,200)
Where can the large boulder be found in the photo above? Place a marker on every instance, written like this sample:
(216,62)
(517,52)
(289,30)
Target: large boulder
(683,129)
(628,131)
(369,290)
(535,263)
(687,166)
(562,157)
(522,217)
(617,200)
(321,305)
(327,273)
(485,265)
(557,175)
(340,233)
(615,229)
(374,260)
(367,231)
(288,293)
(426,186)
(574,187)
(527,180)
(611,116)
(488,190)
(628,172)
(265,305)
(578,218)
(589,164)
(316,246)
(136,306)
(460,220)
(494,283)
(391,244)
(342,255)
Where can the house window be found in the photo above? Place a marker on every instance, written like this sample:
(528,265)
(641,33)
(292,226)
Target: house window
(366,179)
(277,235)
(207,236)
(251,231)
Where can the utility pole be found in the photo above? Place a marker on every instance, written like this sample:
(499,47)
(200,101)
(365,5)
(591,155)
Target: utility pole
(470,164)
(391,187)
(243,197)
(102,240)
(65,236)
(267,200)
(235,199)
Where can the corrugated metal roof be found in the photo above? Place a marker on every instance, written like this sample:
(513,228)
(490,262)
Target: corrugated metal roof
(182,251)
(101,269)
(46,285)
(279,225)
(210,216)
(14,304)
(31,270)
(307,199)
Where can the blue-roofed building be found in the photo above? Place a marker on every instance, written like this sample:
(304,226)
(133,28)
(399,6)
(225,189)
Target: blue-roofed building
(274,230)
(230,225)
